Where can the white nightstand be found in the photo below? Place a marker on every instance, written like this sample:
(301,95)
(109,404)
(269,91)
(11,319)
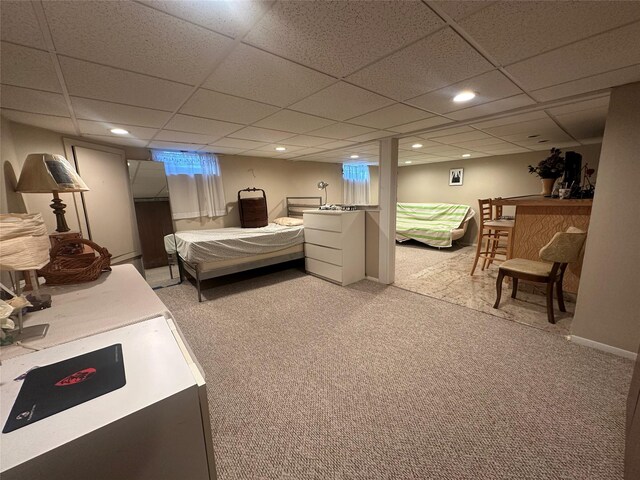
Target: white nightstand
(334,245)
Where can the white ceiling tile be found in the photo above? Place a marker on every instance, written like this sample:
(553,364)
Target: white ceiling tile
(271,148)
(589,84)
(584,123)
(511,31)
(340,37)
(473,144)
(488,87)
(20,24)
(307,141)
(547,146)
(89,109)
(340,131)
(129,142)
(365,137)
(88,127)
(184,137)
(406,142)
(446,132)
(258,153)
(458,9)
(600,102)
(280,82)
(189,147)
(502,105)
(90,80)
(542,126)
(386,117)
(205,103)
(591,141)
(337,144)
(506,120)
(57,124)
(505,150)
(227,18)
(341,101)
(449,138)
(34,101)
(261,134)
(296,122)
(129,36)
(26,67)
(236,143)
(423,66)
(308,151)
(420,124)
(608,51)
(220,149)
(213,128)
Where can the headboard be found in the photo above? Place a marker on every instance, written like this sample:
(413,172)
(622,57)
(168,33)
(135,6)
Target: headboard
(296,205)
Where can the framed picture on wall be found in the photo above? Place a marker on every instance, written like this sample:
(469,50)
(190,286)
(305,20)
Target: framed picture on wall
(455,176)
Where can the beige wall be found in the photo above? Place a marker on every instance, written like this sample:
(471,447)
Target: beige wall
(608,308)
(279,179)
(485,177)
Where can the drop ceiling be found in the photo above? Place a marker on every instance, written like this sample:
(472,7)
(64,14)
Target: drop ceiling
(323,79)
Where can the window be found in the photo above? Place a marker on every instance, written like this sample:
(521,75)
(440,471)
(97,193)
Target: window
(195,183)
(356,183)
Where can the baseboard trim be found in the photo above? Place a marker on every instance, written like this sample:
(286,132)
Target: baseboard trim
(604,347)
(373,279)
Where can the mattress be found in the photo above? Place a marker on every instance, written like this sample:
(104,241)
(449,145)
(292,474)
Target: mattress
(231,262)
(198,246)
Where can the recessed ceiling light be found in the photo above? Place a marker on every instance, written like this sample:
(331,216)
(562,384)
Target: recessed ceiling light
(119,131)
(280,149)
(464,96)
(533,136)
(354,156)
(416,145)
(466,155)
(408,161)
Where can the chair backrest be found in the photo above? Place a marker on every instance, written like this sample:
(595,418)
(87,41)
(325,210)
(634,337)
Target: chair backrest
(564,247)
(484,209)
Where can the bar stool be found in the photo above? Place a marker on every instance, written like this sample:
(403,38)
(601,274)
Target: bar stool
(495,236)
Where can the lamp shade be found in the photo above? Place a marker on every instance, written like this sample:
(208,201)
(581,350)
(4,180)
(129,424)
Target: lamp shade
(47,173)
(24,242)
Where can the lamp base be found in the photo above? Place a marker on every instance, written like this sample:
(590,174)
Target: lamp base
(32,332)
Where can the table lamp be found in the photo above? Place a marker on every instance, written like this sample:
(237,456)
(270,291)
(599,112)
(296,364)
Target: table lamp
(50,173)
(24,247)
(322,185)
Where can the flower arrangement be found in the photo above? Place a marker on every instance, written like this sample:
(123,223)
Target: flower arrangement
(550,167)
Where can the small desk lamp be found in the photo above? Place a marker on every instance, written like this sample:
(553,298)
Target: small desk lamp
(322,185)
(24,246)
(50,173)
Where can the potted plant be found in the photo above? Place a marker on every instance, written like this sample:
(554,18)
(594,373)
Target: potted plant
(549,170)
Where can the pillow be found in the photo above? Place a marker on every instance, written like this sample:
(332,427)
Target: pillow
(288,221)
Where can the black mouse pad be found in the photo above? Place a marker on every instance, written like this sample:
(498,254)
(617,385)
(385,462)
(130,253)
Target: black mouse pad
(53,388)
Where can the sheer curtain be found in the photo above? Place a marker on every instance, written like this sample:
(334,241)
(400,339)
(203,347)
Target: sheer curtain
(195,183)
(356,181)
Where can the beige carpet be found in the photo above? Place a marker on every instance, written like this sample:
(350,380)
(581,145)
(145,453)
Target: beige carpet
(444,274)
(309,380)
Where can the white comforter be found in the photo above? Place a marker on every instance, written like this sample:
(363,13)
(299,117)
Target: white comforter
(223,243)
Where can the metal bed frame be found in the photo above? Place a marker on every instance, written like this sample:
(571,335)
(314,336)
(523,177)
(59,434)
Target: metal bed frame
(295,206)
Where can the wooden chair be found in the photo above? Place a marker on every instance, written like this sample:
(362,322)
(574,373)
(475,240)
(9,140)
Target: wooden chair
(495,236)
(564,248)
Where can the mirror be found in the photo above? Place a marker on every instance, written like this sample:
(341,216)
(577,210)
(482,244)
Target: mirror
(155,224)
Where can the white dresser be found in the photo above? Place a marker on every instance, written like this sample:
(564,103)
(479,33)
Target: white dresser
(334,245)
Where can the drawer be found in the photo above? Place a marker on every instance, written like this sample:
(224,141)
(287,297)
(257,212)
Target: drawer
(320,221)
(322,237)
(329,255)
(323,269)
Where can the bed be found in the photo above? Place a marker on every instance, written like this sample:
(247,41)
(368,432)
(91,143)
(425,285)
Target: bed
(206,254)
(434,224)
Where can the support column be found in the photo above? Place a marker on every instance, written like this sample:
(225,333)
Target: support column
(387,198)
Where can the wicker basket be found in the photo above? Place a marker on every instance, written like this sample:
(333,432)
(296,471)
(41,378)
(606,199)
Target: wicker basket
(65,270)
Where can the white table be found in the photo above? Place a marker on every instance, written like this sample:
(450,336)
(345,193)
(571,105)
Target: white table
(155,427)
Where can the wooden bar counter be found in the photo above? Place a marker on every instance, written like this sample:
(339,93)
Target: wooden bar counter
(538,218)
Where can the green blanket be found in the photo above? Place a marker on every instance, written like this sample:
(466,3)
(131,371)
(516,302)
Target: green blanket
(429,223)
